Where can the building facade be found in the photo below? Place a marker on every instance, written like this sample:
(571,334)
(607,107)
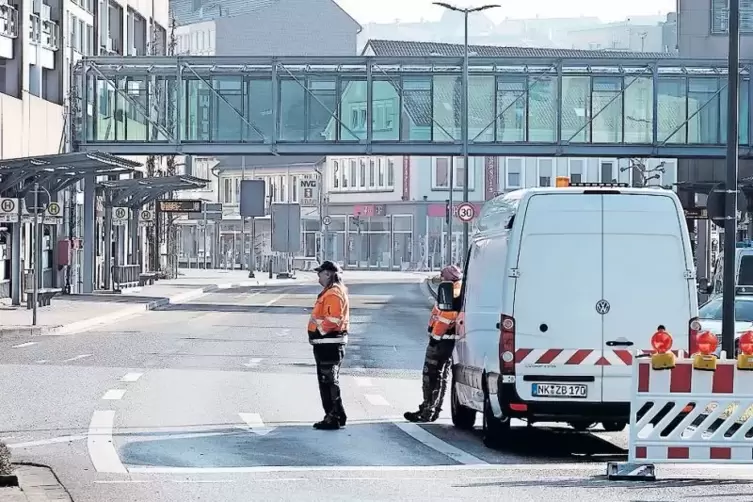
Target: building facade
(39,41)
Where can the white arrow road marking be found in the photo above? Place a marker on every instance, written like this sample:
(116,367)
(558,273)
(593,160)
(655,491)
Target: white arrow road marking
(420,434)
(82,356)
(252,363)
(99,442)
(22,345)
(255,423)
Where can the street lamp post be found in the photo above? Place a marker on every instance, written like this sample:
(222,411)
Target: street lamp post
(464,120)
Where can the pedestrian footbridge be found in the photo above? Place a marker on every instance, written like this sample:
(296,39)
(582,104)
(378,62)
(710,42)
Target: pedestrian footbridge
(525,106)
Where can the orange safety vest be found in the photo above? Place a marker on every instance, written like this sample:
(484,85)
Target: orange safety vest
(330,318)
(443,323)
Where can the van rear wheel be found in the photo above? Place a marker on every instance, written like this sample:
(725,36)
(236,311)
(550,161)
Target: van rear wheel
(495,430)
(462,417)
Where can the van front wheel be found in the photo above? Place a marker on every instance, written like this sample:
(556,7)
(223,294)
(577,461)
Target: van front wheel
(614,426)
(462,417)
(495,430)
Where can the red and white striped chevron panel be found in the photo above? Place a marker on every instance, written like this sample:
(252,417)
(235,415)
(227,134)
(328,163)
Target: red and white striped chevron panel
(589,357)
(700,454)
(683,379)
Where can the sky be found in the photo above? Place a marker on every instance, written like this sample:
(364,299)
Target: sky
(384,11)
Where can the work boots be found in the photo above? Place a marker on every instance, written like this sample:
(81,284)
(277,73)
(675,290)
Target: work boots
(418,416)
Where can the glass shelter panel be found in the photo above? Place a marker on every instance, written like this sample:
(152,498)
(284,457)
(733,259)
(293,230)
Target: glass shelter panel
(480,109)
(511,108)
(417,109)
(576,109)
(744,111)
(639,109)
(606,110)
(447,108)
(227,114)
(259,110)
(292,115)
(542,109)
(322,107)
(672,111)
(703,110)
(198,110)
(385,120)
(353,109)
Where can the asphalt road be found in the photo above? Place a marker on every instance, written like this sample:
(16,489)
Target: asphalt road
(213,400)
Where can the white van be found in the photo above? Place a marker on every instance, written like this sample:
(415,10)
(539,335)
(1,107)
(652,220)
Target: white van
(561,286)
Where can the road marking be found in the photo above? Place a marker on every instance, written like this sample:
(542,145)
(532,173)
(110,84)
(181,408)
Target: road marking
(255,423)
(142,481)
(82,356)
(114,394)
(275,299)
(101,448)
(44,442)
(41,361)
(27,344)
(376,400)
(131,377)
(252,363)
(433,442)
(363,381)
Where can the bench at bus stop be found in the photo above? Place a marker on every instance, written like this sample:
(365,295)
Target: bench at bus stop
(148,278)
(44,297)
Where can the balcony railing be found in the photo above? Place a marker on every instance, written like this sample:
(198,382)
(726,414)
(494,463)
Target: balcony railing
(45,32)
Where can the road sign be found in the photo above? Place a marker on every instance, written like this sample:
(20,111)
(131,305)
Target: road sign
(696,213)
(213,212)
(466,212)
(309,190)
(36,200)
(53,209)
(326,221)
(286,228)
(179,206)
(9,210)
(146,217)
(119,215)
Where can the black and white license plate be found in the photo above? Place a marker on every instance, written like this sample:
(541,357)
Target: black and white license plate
(559,390)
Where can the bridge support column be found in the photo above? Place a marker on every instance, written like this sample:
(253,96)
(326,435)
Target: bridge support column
(90,217)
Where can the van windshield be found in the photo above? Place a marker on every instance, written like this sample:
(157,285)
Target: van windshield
(746,271)
(713,310)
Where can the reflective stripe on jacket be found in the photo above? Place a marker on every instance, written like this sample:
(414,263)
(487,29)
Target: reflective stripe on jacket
(444,322)
(433,317)
(330,317)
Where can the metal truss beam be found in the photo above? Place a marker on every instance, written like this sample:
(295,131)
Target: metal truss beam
(425,149)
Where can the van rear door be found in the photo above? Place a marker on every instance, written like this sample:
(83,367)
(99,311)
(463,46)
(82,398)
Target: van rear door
(645,281)
(558,335)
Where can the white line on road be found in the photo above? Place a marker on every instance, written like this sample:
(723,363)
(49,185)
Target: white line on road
(131,377)
(252,363)
(44,442)
(27,344)
(82,356)
(255,423)
(275,299)
(41,361)
(433,442)
(376,400)
(114,394)
(363,381)
(101,448)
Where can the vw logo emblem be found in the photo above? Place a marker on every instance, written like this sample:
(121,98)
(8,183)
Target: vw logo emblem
(602,307)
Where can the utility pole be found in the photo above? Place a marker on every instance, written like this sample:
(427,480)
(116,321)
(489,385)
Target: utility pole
(730,206)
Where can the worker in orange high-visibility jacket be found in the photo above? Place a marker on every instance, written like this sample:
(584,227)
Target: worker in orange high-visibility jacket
(328,333)
(438,358)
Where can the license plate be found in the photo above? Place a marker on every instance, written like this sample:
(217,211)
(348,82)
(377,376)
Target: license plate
(559,390)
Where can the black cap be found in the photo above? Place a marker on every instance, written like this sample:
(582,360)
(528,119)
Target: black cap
(328,266)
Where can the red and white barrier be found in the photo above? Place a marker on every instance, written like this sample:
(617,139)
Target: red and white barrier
(687,415)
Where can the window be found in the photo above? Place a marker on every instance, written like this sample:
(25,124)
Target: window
(362,173)
(576,170)
(459,177)
(372,173)
(352,166)
(513,172)
(237,190)
(294,190)
(335,174)
(546,172)
(720,16)
(380,164)
(384,115)
(390,173)
(441,173)
(358,117)
(606,172)
(227,191)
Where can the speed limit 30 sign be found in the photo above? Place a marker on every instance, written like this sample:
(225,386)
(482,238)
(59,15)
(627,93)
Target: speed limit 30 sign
(466,212)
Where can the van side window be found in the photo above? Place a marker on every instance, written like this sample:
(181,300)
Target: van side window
(746,270)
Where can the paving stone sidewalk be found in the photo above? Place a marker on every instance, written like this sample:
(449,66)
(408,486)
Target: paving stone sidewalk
(74,313)
(36,484)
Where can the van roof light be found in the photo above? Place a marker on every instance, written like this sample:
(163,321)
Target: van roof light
(600,185)
(562,181)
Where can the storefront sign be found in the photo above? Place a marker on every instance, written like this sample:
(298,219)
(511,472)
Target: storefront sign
(406,178)
(309,190)
(438,210)
(368,210)
(491,177)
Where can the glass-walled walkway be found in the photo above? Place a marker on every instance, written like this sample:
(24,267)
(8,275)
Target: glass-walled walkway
(370,105)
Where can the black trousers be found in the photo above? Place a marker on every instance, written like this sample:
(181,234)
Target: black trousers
(329,358)
(437,366)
